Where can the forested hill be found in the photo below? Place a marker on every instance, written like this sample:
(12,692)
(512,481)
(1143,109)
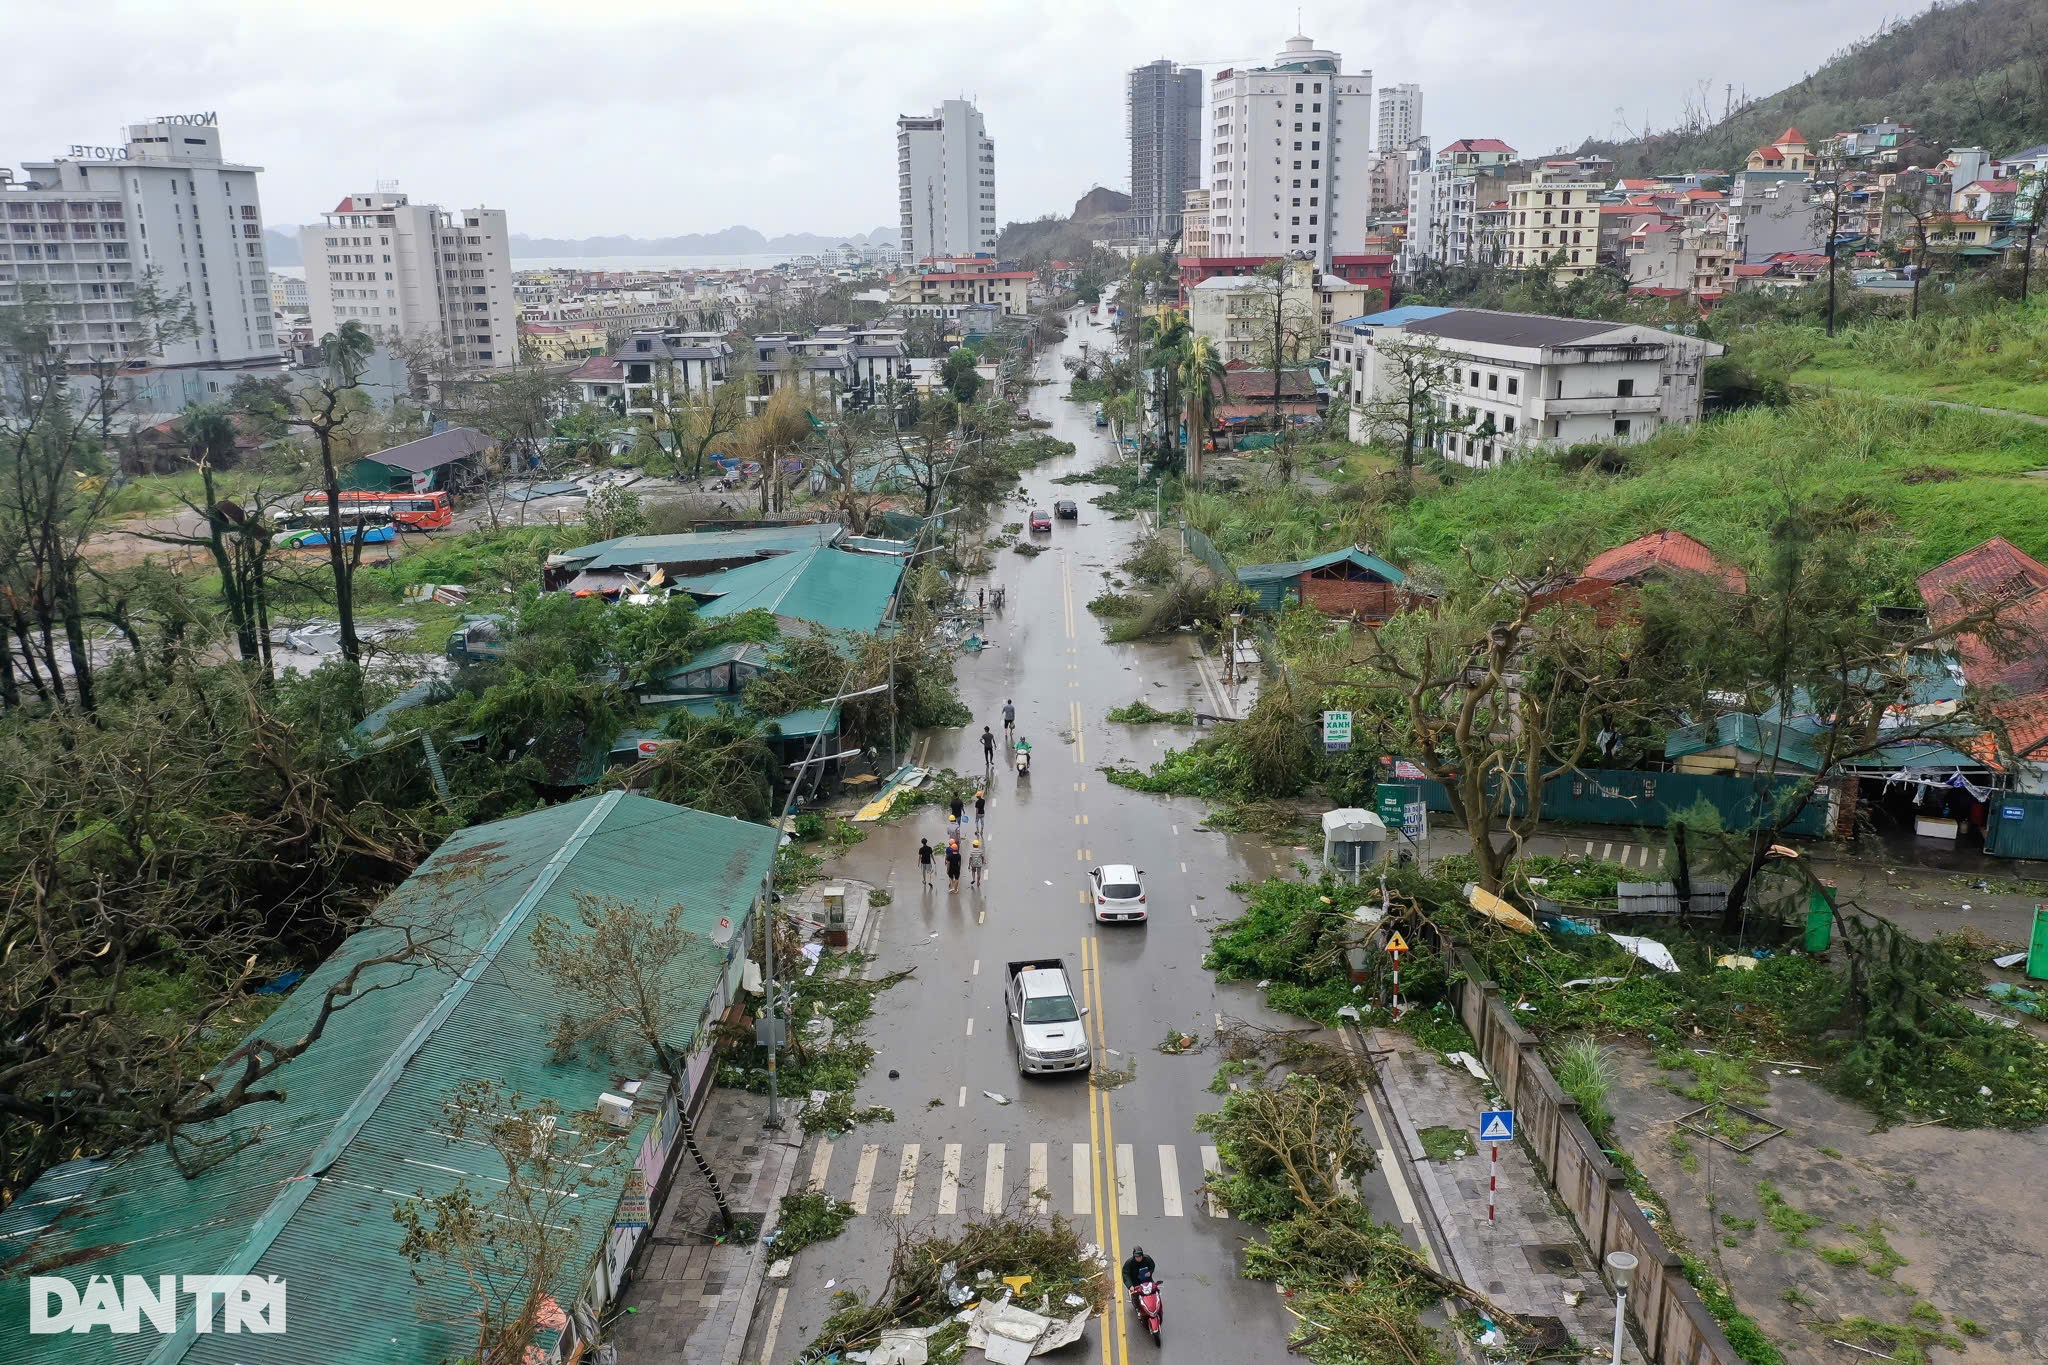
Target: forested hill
(1965,73)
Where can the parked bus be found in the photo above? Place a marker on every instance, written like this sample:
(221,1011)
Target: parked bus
(308,530)
(411,511)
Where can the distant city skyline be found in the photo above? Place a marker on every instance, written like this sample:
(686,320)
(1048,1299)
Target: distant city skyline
(578,125)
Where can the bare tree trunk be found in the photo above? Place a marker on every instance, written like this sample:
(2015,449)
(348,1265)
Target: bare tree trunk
(337,555)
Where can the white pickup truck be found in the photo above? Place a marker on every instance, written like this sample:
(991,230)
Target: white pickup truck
(1045,1019)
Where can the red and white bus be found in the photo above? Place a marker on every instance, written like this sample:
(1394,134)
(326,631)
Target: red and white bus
(411,511)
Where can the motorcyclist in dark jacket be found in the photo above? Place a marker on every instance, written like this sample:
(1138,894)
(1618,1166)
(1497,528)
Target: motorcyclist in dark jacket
(1138,1269)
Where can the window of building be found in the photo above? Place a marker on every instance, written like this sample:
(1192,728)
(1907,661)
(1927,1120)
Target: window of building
(1625,388)
(1493,383)
(1621,426)
(1509,425)
(1295,239)
(1297,146)
(1514,385)
(1297,87)
(1315,127)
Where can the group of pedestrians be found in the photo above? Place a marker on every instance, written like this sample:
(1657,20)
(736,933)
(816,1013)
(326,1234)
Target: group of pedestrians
(972,858)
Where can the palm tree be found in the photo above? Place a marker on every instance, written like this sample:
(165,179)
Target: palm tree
(1164,342)
(1200,367)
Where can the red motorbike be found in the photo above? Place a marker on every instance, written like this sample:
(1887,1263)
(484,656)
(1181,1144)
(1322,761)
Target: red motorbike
(1146,1299)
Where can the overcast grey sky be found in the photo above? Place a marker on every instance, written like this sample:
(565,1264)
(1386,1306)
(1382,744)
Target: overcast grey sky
(690,115)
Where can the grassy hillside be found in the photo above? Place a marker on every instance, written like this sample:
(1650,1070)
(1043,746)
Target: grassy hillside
(1926,482)
(1961,74)
(1995,359)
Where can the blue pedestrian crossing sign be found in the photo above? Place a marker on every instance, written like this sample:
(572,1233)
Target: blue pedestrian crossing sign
(1497,1125)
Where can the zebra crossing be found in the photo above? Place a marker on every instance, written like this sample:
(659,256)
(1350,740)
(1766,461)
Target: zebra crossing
(913,1180)
(1629,855)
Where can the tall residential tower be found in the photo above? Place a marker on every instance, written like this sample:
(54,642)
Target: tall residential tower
(1400,121)
(1292,141)
(945,183)
(1163,118)
(410,270)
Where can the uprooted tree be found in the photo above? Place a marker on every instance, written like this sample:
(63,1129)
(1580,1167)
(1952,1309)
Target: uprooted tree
(631,973)
(1493,695)
(514,1242)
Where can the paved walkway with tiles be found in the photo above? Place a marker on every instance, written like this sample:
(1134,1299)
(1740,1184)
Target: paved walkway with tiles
(1530,1259)
(695,1295)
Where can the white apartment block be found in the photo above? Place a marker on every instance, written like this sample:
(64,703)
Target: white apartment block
(1400,120)
(1194,223)
(1291,143)
(82,230)
(945,183)
(1519,380)
(1554,216)
(1421,198)
(406,270)
(1465,178)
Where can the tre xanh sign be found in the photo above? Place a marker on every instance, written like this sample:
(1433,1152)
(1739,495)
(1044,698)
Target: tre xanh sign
(1336,731)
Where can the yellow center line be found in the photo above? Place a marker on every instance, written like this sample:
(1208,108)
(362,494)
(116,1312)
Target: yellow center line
(1106,1155)
(1103,1209)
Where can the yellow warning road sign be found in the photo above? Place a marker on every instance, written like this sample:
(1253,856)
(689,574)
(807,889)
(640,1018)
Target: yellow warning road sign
(1397,944)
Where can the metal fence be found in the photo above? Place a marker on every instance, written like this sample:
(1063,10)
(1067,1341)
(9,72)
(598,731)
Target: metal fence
(1675,1323)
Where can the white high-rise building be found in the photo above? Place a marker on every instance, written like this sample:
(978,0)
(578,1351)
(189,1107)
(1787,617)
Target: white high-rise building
(84,229)
(1291,142)
(945,183)
(1400,120)
(410,270)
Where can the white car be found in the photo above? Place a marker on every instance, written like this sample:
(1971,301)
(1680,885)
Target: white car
(1119,893)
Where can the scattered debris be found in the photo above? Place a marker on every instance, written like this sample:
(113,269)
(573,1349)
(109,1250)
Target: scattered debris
(1471,1064)
(999,1099)
(1012,1335)
(780,1269)
(1649,950)
(1177,1044)
(2010,960)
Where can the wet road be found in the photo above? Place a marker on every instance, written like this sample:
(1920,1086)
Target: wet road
(1125,1162)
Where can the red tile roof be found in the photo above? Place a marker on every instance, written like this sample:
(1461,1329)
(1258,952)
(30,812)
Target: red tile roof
(1705,194)
(1994,570)
(599,369)
(1663,551)
(1791,137)
(1997,186)
(1752,271)
(980,275)
(1769,153)
(1479,144)
(1639,184)
(2017,662)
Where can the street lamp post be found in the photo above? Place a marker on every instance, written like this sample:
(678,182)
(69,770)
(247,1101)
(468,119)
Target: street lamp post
(1621,1270)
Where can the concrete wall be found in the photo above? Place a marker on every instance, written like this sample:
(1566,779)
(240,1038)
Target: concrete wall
(1672,1319)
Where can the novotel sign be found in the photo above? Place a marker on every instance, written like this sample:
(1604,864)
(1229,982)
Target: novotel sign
(79,151)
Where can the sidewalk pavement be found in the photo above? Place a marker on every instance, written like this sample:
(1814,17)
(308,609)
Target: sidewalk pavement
(695,1296)
(1530,1260)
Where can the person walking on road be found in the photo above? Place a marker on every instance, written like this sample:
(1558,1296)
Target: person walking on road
(954,807)
(1009,721)
(924,862)
(975,863)
(988,749)
(980,810)
(953,865)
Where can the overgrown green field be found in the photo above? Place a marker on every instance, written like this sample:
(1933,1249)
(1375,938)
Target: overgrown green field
(1996,359)
(1927,482)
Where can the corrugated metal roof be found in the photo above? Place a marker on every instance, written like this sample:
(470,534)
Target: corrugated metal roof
(1252,574)
(310,1199)
(630,552)
(834,589)
(1745,734)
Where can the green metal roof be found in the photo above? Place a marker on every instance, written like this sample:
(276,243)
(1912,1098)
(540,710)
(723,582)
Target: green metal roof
(824,587)
(1747,734)
(1253,574)
(808,722)
(630,552)
(310,1199)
